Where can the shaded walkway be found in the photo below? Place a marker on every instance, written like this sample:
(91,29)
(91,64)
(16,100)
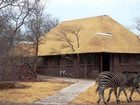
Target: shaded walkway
(66,95)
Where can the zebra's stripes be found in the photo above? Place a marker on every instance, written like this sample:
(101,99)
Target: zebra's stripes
(111,80)
(107,80)
(133,80)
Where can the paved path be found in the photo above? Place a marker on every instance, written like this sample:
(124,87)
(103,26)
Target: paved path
(66,95)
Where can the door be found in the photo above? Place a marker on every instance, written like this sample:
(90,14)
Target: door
(105,62)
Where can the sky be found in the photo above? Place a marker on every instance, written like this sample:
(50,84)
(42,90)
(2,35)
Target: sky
(123,11)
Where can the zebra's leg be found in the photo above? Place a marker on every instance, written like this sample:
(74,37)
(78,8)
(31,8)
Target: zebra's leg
(132,91)
(138,91)
(126,95)
(110,92)
(115,93)
(99,98)
(101,95)
(120,90)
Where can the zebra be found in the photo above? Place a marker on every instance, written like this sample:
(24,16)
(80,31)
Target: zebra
(107,80)
(132,80)
(110,80)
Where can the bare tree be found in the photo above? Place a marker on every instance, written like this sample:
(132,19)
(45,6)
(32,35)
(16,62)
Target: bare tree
(7,3)
(69,36)
(13,15)
(137,24)
(64,34)
(37,26)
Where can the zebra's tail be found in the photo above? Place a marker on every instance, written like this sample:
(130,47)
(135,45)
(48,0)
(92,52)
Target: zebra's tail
(97,89)
(97,80)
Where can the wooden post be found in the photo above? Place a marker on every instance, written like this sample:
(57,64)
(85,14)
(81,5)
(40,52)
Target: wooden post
(101,62)
(112,62)
(85,69)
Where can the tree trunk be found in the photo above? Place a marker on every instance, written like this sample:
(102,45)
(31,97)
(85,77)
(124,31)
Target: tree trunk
(34,66)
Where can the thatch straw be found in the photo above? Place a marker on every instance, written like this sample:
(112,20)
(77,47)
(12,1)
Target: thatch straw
(97,34)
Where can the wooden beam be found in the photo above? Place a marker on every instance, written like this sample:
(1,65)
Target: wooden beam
(101,62)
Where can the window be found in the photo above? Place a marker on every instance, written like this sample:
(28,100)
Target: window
(69,62)
(90,59)
(123,59)
(95,59)
(56,61)
(45,61)
(138,59)
(82,59)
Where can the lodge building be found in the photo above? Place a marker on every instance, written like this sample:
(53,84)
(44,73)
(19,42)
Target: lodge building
(85,47)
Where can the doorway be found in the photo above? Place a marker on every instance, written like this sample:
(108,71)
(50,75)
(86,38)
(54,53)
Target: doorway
(105,62)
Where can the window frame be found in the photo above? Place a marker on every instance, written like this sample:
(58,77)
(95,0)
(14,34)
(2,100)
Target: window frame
(123,59)
(82,60)
(56,61)
(93,59)
(45,61)
(138,59)
(69,60)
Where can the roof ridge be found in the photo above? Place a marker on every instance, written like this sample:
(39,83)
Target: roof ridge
(86,18)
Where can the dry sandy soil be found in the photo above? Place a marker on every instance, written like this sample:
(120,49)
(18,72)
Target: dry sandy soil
(26,93)
(90,98)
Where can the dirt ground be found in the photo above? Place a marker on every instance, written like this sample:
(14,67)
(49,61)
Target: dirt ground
(27,93)
(90,98)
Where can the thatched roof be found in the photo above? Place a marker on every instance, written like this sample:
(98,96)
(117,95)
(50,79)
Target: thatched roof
(96,34)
